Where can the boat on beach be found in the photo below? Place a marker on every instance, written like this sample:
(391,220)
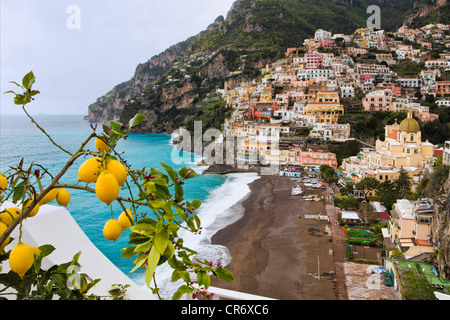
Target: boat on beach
(296,191)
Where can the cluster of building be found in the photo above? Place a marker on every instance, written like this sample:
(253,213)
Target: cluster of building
(307,88)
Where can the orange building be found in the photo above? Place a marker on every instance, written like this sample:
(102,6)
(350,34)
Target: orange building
(442,88)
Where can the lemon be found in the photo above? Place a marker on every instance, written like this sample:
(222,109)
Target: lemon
(3,183)
(118,170)
(21,259)
(112,230)
(89,170)
(3,228)
(63,197)
(35,209)
(50,196)
(36,250)
(124,219)
(101,145)
(8,216)
(107,187)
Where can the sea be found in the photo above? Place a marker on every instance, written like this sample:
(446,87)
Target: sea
(21,139)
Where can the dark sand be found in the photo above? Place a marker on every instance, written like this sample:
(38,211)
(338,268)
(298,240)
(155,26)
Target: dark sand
(276,252)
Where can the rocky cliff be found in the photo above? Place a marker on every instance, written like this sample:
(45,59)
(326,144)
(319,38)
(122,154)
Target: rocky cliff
(110,106)
(441,230)
(180,83)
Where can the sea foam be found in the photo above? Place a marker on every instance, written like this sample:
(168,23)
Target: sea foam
(220,210)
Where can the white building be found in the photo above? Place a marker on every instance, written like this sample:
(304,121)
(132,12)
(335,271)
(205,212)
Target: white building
(331,131)
(322,35)
(446,155)
(410,82)
(310,74)
(347,91)
(443,102)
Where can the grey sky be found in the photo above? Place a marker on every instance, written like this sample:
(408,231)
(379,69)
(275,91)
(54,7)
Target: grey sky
(76,66)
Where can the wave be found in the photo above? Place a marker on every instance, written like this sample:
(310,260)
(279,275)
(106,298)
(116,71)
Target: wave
(217,212)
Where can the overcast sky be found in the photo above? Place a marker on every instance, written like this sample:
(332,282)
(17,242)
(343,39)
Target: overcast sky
(81,49)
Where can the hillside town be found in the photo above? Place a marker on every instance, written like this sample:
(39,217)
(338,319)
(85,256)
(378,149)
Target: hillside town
(302,98)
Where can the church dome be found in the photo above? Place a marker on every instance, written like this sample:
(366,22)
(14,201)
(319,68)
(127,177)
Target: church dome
(409,124)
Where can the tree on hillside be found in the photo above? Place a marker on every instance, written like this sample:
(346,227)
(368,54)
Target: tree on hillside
(386,193)
(403,185)
(366,185)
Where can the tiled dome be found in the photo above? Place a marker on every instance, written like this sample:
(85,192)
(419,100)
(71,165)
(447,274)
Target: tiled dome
(409,124)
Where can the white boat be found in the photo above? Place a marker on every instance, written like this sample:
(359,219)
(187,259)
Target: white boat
(296,191)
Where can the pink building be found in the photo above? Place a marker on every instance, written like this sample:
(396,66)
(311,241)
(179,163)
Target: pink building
(313,60)
(314,159)
(380,100)
(365,77)
(328,43)
(395,88)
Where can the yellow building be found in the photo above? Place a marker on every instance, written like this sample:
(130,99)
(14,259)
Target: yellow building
(402,147)
(328,96)
(325,112)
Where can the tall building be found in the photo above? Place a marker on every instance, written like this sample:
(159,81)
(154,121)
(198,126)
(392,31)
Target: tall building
(402,147)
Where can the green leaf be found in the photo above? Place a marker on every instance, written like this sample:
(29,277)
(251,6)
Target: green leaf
(161,241)
(170,251)
(225,274)
(143,247)
(196,204)
(203,279)
(136,120)
(28,80)
(139,262)
(116,126)
(128,252)
(153,259)
(16,84)
(20,99)
(143,226)
(181,292)
(106,129)
(180,213)
(157,203)
(197,221)
(182,172)
(172,173)
(19,192)
(178,192)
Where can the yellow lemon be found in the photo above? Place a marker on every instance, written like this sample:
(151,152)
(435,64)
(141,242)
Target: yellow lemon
(50,196)
(8,216)
(89,170)
(3,183)
(21,259)
(3,228)
(36,250)
(101,145)
(107,187)
(124,219)
(35,210)
(112,230)
(118,170)
(63,197)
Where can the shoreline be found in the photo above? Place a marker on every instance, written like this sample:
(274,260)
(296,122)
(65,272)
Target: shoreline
(275,251)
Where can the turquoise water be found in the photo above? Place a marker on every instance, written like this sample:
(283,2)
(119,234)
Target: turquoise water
(19,138)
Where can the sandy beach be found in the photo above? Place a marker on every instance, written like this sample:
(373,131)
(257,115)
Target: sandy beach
(276,251)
